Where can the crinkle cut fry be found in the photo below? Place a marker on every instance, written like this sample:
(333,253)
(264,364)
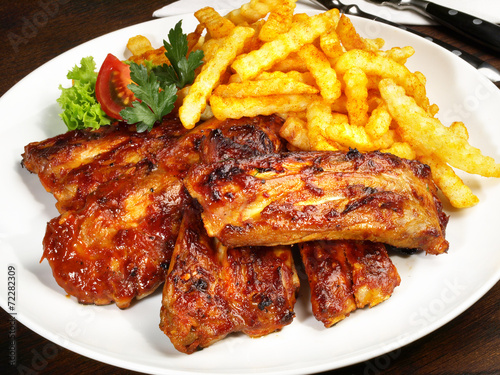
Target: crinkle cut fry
(250,65)
(196,100)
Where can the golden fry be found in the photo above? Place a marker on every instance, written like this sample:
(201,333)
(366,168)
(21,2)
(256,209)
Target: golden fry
(251,12)
(384,67)
(224,108)
(417,127)
(379,122)
(255,62)
(216,25)
(195,102)
(319,116)
(398,54)
(278,22)
(142,50)
(306,78)
(352,40)
(294,130)
(459,129)
(139,44)
(194,38)
(293,63)
(402,150)
(452,186)
(335,128)
(330,45)
(323,73)
(356,91)
(277,86)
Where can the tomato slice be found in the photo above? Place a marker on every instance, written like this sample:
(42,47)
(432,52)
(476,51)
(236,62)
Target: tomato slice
(111,87)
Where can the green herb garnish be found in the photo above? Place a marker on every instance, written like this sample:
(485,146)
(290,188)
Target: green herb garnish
(182,68)
(155,100)
(156,88)
(78,102)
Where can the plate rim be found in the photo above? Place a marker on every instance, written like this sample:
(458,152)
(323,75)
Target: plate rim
(31,324)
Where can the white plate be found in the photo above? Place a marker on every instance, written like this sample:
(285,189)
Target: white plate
(434,289)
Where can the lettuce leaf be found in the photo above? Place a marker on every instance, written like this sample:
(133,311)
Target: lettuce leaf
(78,102)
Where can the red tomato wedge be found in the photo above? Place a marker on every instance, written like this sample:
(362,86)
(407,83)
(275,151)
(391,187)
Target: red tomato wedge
(111,87)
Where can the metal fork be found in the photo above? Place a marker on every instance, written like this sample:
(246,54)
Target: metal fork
(488,70)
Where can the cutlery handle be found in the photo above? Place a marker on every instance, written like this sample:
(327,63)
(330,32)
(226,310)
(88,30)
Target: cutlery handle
(481,31)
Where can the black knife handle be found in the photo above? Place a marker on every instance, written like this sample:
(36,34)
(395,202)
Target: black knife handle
(479,30)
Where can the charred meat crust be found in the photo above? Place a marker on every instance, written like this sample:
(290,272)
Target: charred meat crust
(121,199)
(211,291)
(302,196)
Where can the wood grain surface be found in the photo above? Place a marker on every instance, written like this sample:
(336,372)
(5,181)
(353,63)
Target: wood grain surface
(33,32)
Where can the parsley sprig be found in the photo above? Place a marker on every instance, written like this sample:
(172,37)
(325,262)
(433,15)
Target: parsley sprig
(182,68)
(156,88)
(153,103)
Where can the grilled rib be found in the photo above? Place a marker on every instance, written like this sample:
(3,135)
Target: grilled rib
(345,275)
(211,291)
(330,280)
(304,196)
(121,200)
(374,277)
(75,164)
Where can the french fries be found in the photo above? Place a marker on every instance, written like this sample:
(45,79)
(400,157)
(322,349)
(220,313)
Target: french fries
(321,70)
(248,66)
(430,136)
(216,25)
(196,100)
(233,107)
(335,89)
(278,22)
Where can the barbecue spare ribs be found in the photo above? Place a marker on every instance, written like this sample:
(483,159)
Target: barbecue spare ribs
(121,199)
(346,275)
(215,212)
(211,290)
(302,196)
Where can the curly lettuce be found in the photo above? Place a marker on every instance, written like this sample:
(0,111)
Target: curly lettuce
(78,102)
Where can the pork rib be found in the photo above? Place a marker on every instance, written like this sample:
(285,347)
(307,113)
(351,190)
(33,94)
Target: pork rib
(211,291)
(345,275)
(303,196)
(121,199)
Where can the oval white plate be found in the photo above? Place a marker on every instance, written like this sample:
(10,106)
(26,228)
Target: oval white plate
(434,289)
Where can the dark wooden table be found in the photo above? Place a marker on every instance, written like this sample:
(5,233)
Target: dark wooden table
(34,31)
